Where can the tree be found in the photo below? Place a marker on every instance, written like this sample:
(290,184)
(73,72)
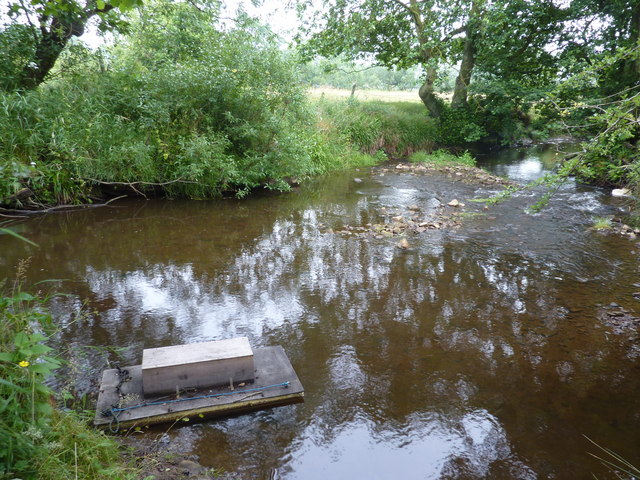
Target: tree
(39,30)
(400,34)
(603,27)
(472,32)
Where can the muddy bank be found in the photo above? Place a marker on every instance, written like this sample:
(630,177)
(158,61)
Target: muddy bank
(158,457)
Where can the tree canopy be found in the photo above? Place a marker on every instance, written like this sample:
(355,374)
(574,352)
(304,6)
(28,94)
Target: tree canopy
(182,95)
(39,30)
(401,34)
(521,44)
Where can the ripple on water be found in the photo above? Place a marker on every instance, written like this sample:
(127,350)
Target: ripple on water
(480,352)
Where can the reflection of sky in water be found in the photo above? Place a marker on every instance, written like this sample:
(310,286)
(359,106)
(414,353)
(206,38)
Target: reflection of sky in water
(426,447)
(173,292)
(525,171)
(454,358)
(530,169)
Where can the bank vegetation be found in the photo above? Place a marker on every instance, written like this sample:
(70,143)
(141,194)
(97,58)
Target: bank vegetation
(185,103)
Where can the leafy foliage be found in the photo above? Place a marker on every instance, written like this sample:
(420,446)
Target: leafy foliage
(38,31)
(37,440)
(611,154)
(204,111)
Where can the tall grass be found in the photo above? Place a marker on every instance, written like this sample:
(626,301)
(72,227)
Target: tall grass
(37,441)
(443,158)
(397,128)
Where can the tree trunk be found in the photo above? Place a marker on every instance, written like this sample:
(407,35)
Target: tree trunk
(635,39)
(463,79)
(53,39)
(427,94)
(47,52)
(472,31)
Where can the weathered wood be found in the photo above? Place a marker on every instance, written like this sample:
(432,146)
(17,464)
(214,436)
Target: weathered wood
(272,370)
(197,365)
(20,195)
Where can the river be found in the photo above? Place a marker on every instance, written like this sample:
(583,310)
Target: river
(489,350)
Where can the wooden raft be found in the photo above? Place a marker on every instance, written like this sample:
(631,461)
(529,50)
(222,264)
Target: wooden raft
(276,384)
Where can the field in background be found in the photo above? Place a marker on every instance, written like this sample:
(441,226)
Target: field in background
(381,95)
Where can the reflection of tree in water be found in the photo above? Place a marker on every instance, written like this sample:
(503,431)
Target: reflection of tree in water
(449,336)
(382,334)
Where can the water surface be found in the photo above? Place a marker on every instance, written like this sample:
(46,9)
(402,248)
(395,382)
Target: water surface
(486,351)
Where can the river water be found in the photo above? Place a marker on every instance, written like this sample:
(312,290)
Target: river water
(484,351)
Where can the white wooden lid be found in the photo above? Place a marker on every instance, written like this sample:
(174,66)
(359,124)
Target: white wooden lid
(196,353)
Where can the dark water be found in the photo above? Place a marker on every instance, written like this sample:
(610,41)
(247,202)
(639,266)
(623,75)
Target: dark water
(485,351)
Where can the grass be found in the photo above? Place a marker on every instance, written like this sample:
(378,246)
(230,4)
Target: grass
(38,440)
(601,223)
(441,158)
(75,450)
(614,462)
(396,128)
(390,96)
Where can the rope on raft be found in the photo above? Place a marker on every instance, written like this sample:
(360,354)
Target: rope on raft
(115,411)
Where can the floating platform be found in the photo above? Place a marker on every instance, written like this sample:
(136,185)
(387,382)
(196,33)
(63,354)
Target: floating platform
(122,403)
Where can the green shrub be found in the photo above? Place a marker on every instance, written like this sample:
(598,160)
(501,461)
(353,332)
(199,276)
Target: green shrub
(458,126)
(224,112)
(443,158)
(602,223)
(395,128)
(38,441)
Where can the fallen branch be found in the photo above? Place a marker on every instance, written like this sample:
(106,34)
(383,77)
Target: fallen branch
(131,184)
(25,213)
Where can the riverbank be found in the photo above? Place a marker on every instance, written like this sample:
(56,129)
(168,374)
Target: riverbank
(83,151)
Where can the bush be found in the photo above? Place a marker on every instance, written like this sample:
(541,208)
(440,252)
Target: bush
(204,111)
(443,158)
(459,126)
(37,440)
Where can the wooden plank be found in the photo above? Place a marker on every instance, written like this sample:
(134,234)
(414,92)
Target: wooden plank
(197,365)
(196,352)
(273,369)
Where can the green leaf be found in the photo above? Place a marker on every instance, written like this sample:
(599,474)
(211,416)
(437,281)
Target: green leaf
(37,337)
(42,368)
(21,339)
(17,235)
(4,404)
(44,408)
(39,349)
(12,385)
(53,280)
(100,4)
(22,297)
(6,357)
(53,361)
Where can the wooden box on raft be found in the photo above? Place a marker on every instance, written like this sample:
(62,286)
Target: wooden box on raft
(197,365)
(122,404)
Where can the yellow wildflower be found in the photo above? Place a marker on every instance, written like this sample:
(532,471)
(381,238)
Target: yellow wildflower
(24,364)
